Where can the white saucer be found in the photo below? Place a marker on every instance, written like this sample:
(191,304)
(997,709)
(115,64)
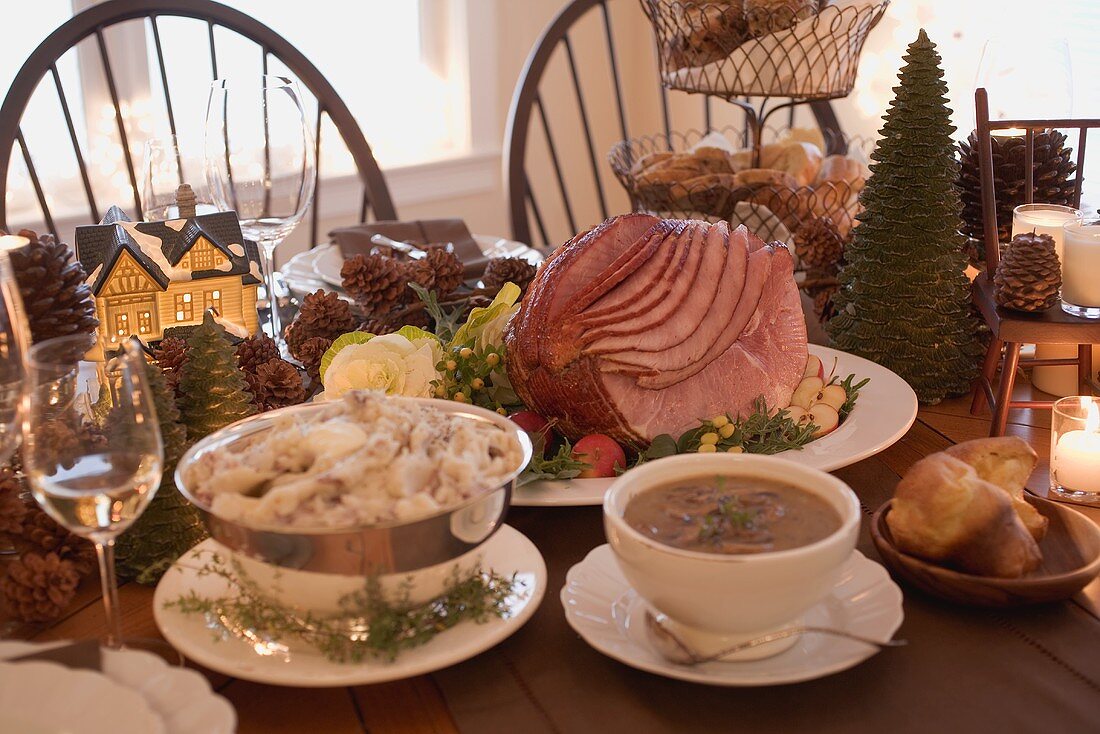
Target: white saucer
(886,409)
(180,697)
(602,608)
(507,552)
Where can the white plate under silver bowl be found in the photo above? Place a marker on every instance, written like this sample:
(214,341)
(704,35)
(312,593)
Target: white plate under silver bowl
(508,552)
(885,411)
(604,610)
(180,698)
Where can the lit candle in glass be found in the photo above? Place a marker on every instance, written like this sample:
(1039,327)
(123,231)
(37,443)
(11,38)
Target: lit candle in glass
(1075,449)
(13,242)
(1081,268)
(1050,219)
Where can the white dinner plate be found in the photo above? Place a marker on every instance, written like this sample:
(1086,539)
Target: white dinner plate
(508,552)
(886,409)
(320,267)
(610,616)
(40,697)
(181,697)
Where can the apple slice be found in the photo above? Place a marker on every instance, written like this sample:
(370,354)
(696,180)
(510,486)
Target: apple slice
(797,414)
(814,367)
(806,392)
(833,395)
(825,417)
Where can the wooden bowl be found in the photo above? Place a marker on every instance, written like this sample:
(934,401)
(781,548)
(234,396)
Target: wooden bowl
(1071,559)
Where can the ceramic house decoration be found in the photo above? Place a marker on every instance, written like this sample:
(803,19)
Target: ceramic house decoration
(150,276)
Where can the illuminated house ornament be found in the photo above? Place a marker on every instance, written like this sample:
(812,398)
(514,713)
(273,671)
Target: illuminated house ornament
(150,276)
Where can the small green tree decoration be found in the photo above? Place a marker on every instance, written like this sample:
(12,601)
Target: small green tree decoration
(904,298)
(213,392)
(170,525)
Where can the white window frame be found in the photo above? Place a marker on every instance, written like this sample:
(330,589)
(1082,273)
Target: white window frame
(469,42)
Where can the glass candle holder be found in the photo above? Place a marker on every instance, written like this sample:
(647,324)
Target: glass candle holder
(1081,268)
(1075,449)
(1045,219)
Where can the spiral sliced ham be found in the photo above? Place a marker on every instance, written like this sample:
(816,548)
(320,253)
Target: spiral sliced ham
(642,326)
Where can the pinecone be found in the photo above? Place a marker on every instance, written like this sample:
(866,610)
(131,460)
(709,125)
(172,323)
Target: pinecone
(13,509)
(37,587)
(818,244)
(447,269)
(170,356)
(255,351)
(43,535)
(376,282)
(1054,173)
(310,353)
(1029,274)
(322,314)
(279,384)
(61,443)
(503,270)
(57,300)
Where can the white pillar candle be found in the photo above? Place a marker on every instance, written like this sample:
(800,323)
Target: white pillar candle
(1081,263)
(13,242)
(1050,219)
(1044,219)
(1075,460)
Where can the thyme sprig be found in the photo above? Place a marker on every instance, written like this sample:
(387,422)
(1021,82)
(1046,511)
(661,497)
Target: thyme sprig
(370,625)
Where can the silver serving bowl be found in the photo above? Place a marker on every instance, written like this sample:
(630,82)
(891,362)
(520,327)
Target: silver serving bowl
(385,548)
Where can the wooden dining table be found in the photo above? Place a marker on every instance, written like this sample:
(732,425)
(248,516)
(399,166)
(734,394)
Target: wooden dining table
(964,669)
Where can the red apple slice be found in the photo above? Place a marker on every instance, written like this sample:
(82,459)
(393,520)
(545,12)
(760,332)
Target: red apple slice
(814,367)
(825,417)
(806,392)
(833,395)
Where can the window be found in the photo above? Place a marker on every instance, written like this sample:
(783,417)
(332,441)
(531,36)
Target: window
(122,324)
(202,257)
(411,54)
(212,299)
(145,322)
(185,309)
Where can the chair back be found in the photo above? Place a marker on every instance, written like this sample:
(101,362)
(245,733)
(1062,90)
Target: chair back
(985,128)
(551,77)
(93,22)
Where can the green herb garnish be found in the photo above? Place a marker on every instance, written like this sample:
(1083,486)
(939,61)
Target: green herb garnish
(370,624)
(560,465)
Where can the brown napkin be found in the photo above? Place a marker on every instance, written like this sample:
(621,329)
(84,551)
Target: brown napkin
(85,655)
(355,240)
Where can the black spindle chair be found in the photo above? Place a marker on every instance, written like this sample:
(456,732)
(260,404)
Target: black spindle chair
(1012,329)
(93,22)
(558,44)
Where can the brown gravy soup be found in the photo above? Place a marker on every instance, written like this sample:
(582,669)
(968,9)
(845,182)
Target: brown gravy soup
(731,515)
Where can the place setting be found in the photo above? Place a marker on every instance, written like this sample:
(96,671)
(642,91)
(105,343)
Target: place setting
(556,424)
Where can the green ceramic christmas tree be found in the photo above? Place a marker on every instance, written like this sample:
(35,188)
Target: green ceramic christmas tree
(170,525)
(213,392)
(904,299)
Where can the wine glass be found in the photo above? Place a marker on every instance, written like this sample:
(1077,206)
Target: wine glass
(260,163)
(167,162)
(92,446)
(13,347)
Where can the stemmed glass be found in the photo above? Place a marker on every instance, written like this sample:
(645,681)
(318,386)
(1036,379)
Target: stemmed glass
(167,162)
(92,447)
(260,163)
(13,347)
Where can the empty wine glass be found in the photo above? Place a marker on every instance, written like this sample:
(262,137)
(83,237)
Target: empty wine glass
(260,163)
(167,162)
(92,446)
(13,346)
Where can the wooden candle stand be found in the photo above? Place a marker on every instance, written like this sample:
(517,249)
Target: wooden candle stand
(1012,329)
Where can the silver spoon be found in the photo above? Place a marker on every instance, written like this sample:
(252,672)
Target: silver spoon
(411,250)
(675,650)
